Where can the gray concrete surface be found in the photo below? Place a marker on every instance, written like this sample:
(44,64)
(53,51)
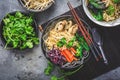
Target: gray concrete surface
(30,64)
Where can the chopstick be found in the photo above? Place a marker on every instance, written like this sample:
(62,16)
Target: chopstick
(95,46)
(40,28)
(84,32)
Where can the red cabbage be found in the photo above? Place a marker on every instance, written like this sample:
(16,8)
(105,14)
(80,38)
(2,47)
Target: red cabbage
(56,57)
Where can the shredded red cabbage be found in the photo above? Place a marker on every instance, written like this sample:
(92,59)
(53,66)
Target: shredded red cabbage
(56,57)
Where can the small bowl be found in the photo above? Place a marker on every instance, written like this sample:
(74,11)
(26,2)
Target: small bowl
(102,23)
(48,27)
(34,24)
(33,10)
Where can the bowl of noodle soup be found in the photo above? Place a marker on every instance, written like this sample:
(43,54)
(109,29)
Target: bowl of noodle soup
(36,5)
(62,43)
(103,12)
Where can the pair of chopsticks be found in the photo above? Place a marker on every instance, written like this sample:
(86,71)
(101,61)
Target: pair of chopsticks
(85,33)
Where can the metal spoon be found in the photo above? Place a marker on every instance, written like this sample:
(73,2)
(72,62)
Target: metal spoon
(98,41)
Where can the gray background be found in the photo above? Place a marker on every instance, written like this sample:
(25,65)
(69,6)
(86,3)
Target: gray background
(30,64)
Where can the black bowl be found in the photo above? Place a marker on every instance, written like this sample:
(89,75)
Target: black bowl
(34,24)
(48,27)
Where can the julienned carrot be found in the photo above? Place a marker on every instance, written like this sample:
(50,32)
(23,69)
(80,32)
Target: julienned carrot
(68,55)
(73,50)
(64,54)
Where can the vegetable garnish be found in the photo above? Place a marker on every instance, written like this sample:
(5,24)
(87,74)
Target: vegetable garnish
(49,68)
(116,1)
(71,42)
(110,10)
(61,42)
(18,31)
(73,50)
(68,55)
(56,57)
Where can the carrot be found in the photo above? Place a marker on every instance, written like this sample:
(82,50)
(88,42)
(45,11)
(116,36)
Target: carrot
(64,54)
(73,50)
(69,55)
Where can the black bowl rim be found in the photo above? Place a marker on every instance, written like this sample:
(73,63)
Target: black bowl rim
(47,25)
(32,10)
(25,13)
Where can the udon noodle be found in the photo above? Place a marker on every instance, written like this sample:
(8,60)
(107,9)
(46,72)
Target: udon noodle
(37,4)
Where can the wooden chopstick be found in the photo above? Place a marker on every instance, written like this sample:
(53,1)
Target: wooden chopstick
(77,20)
(93,42)
(83,30)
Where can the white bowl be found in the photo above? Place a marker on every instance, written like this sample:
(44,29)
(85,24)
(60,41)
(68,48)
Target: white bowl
(102,23)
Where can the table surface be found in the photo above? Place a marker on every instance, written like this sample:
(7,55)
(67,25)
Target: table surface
(30,65)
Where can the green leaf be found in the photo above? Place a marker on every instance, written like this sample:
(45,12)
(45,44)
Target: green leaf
(54,78)
(61,42)
(49,68)
(23,37)
(29,44)
(98,16)
(110,10)
(35,40)
(18,14)
(116,1)
(29,30)
(15,44)
(71,42)
(79,51)
(6,21)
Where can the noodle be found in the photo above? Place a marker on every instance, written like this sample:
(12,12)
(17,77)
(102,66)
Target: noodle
(104,10)
(116,13)
(37,4)
(56,34)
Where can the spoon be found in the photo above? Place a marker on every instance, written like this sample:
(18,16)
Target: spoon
(98,41)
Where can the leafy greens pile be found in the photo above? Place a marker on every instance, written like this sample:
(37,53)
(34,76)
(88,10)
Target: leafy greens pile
(18,31)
